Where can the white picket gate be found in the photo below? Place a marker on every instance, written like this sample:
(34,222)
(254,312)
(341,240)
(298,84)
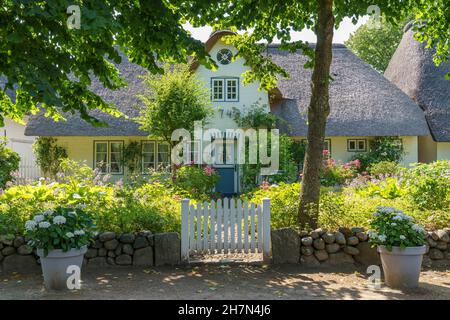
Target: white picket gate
(225,226)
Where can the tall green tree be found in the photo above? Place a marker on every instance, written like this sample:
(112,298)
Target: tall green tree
(270,19)
(174,100)
(376,44)
(47,61)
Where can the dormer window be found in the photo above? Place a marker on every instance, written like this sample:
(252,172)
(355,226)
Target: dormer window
(225,89)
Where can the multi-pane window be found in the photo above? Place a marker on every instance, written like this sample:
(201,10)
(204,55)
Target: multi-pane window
(217,85)
(155,155)
(225,89)
(163,154)
(108,156)
(223,152)
(231,89)
(148,155)
(356,145)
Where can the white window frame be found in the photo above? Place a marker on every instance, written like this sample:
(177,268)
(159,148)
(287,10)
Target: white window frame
(220,92)
(143,167)
(108,156)
(232,82)
(357,142)
(236,89)
(156,163)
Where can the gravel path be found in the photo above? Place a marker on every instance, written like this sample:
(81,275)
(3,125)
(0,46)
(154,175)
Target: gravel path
(216,281)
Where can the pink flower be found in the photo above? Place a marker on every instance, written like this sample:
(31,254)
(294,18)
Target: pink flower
(265,185)
(325,153)
(208,170)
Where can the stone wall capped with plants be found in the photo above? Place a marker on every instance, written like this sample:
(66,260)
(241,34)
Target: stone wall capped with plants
(140,249)
(347,246)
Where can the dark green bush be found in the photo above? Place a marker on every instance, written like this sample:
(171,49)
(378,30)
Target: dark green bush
(9,162)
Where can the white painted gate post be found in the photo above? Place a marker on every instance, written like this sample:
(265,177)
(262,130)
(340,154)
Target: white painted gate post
(185,230)
(266,230)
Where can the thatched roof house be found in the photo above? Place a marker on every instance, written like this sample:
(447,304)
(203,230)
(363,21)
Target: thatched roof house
(362,102)
(413,70)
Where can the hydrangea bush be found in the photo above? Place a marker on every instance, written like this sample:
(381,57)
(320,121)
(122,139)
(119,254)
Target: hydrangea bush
(62,228)
(393,228)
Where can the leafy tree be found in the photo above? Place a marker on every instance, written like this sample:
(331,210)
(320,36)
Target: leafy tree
(9,162)
(376,46)
(47,64)
(277,19)
(49,155)
(173,101)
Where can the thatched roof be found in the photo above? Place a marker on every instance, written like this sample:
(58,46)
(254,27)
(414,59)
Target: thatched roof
(413,70)
(125,99)
(362,102)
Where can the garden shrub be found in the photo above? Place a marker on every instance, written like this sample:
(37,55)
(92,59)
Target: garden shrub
(195,180)
(387,188)
(380,149)
(384,168)
(9,163)
(337,174)
(429,184)
(284,201)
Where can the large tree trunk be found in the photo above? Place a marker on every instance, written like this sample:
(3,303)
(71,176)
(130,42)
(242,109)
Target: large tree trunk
(318,111)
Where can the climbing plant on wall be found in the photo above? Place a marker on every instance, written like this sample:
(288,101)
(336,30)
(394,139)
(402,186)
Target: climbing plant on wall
(49,155)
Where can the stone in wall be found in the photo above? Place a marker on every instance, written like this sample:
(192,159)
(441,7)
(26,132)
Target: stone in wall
(167,249)
(285,246)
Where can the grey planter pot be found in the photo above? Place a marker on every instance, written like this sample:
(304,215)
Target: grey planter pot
(55,264)
(402,266)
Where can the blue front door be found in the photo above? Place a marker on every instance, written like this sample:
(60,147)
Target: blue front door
(226,182)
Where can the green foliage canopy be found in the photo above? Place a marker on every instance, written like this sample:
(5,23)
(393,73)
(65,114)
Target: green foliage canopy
(376,46)
(49,65)
(175,100)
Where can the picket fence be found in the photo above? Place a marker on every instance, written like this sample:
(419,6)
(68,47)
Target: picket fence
(225,226)
(29,171)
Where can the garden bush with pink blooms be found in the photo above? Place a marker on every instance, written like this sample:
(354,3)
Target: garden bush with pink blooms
(195,180)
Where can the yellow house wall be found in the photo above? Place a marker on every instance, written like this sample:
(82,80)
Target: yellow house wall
(339,150)
(443,150)
(81,148)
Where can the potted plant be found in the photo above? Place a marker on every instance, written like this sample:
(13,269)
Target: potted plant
(401,244)
(61,237)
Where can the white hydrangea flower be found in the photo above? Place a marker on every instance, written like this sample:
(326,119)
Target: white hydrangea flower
(402,237)
(79,232)
(48,212)
(44,224)
(30,225)
(69,235)
(59,220)
(72,214)
(372,234)
(398,218)
(393,224)
(39,218)
(417,228)
(382,237)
